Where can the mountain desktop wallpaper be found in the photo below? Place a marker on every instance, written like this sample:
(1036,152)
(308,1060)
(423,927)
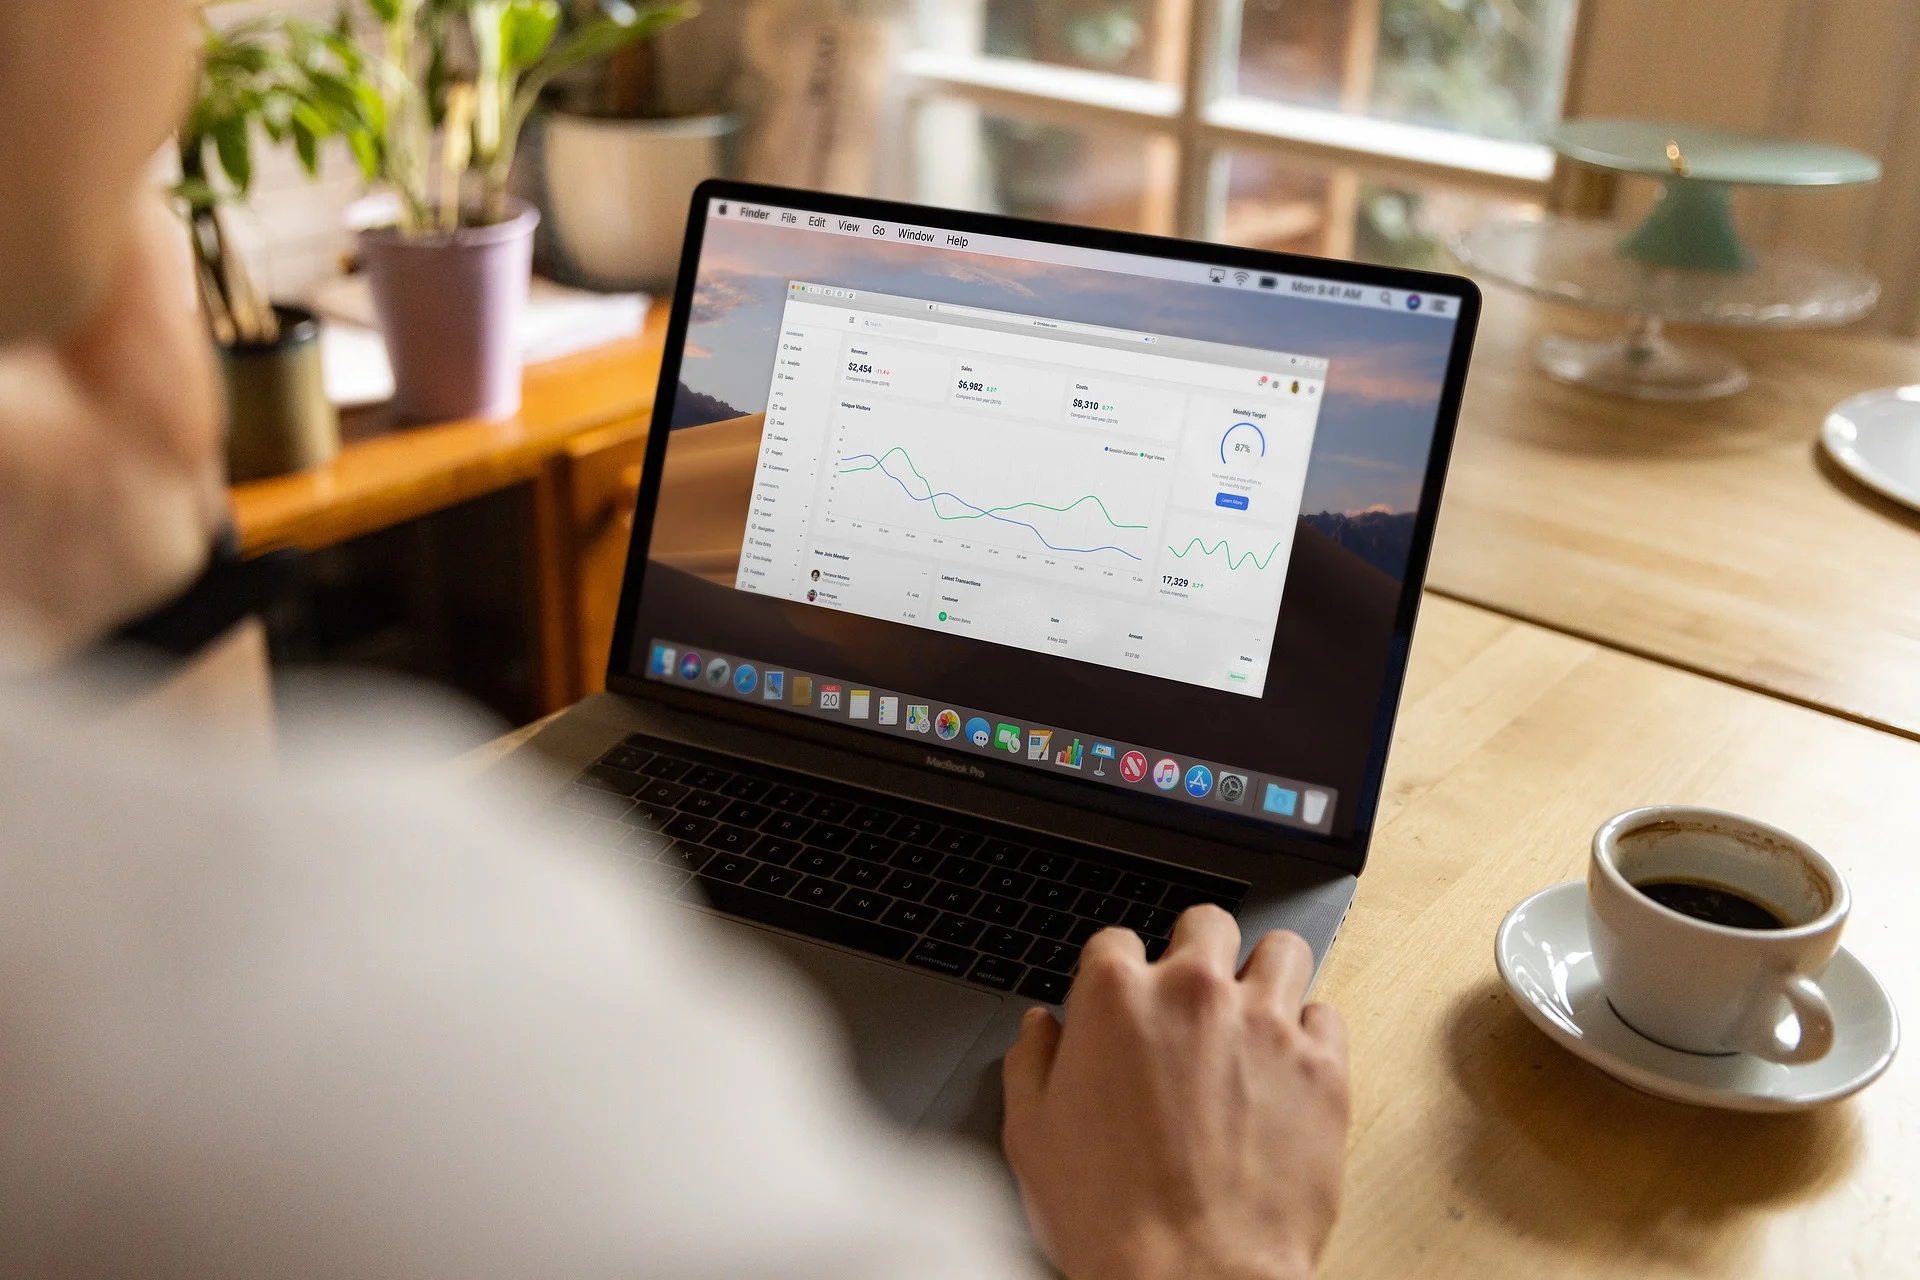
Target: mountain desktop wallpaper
(1384,539)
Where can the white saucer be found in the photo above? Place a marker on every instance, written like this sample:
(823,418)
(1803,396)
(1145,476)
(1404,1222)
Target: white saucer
(1545,961)
(1875,437)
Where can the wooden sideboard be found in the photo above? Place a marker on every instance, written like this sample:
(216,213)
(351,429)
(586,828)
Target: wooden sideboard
(583,422)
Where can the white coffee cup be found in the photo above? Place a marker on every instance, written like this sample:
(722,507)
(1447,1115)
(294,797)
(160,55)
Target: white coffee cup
(1704,987)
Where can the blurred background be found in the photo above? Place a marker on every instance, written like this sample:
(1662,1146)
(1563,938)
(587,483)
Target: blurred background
(1368,129)
(1354,128)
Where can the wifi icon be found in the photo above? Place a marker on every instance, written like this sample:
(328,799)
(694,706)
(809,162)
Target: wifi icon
(1240,277)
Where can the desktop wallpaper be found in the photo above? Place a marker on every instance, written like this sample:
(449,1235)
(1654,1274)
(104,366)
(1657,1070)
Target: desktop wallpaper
(1383,385)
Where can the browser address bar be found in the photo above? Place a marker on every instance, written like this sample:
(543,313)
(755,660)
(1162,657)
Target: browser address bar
(1038,322)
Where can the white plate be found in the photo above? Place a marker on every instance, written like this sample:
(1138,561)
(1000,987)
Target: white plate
(1876,438)
(1546,963)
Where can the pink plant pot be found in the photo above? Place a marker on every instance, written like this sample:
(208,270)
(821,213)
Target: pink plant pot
(450,305)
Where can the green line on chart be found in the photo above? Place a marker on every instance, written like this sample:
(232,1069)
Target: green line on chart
(1232,563)
(975,513)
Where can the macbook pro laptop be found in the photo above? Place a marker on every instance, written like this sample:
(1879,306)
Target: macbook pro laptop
(993,582)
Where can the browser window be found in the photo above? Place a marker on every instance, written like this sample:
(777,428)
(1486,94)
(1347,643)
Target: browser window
(1104,495)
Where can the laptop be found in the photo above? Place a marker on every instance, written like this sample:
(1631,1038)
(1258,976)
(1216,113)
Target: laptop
(993,582)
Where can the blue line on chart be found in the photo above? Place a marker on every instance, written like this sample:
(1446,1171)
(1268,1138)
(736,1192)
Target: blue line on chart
(1078,551)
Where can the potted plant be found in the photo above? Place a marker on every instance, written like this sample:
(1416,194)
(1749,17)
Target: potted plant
(620,160)
(296,83)
(449,279)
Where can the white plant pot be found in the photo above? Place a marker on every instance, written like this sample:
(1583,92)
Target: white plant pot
(617,191)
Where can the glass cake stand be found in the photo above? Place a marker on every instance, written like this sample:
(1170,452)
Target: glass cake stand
(1684,264)
(1578,262)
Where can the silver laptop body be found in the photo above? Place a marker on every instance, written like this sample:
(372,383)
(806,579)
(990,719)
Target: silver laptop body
(988,572)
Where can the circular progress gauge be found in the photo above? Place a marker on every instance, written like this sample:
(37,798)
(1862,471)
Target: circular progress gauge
(1242,447)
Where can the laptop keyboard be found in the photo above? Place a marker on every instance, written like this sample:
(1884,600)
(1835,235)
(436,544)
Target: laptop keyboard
(996,906)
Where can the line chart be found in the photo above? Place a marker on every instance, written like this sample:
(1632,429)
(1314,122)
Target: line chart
(973,511)
(1233,562)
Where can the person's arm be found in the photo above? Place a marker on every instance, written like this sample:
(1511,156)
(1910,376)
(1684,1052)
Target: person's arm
(1188,1121)
(354,1020)
(348,1019)
(111,466)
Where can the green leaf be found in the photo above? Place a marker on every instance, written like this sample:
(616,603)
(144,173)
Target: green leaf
(306,146)
(595,40)
(372,108)
(304,43)
(236,156)
(437,82)
(387,11)
(527,28)
(309,116)
(252,59)
(366,153)
(197,193)
(330,95)
(603,36)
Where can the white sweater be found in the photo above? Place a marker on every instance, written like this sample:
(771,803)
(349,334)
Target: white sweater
(345,1016)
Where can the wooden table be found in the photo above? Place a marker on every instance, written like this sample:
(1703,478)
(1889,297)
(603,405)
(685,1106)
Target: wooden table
(1714,537)
(386,474)
(1480,1148)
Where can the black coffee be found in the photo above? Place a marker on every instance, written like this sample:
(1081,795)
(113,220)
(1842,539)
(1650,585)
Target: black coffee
(1714,903)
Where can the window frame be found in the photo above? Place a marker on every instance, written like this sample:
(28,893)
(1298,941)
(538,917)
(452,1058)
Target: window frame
(1203,122)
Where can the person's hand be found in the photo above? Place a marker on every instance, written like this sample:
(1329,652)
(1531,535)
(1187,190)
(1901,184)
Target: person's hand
(1188,1121)
(111,468)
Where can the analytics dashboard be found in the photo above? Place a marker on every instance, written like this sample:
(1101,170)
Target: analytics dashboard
(1102,494)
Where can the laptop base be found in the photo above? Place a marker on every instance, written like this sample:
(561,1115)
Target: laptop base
(925,1045)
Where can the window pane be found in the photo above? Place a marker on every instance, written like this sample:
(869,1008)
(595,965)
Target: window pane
(1411,227)
(1276,203)
(1123,37)
(1490,67)
(966,157)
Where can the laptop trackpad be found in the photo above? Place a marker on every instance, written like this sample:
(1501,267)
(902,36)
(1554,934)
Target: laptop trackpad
(908,1030)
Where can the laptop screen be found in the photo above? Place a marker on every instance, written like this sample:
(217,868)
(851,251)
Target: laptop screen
(1038,507)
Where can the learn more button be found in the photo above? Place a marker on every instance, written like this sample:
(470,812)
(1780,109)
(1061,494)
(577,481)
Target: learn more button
(1231,501)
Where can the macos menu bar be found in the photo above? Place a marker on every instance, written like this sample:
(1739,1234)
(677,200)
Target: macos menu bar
(1341,292)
